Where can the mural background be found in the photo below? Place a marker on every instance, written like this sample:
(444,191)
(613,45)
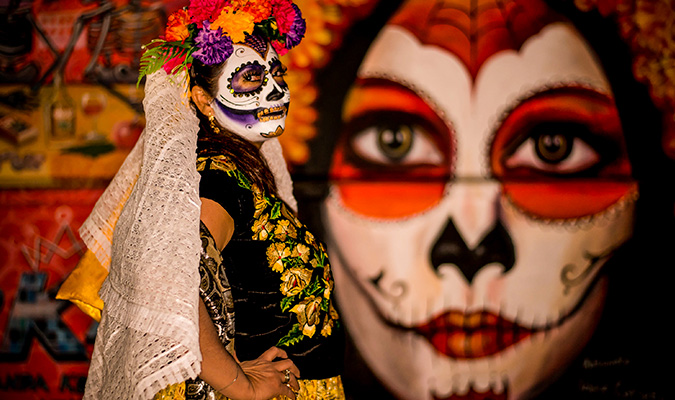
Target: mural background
(70,111)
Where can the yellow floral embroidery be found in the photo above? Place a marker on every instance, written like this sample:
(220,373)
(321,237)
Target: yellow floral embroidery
(309,239)
(275,256)
(262,227)
(259,202)
(289,215)
(220,163)
(294,280)
(327,328)
(284,229)
(328,279)
(308,312)
(171,392)
(301,251)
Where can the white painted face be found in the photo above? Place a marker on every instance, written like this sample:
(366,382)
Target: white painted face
(470,217)
(253,98)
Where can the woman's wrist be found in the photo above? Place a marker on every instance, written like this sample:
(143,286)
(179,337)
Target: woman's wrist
(232,382)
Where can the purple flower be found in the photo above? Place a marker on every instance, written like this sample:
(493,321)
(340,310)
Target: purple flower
(213,47)
(297,31)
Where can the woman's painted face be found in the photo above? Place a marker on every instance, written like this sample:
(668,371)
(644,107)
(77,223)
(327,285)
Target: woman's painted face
(478,191)
(253,98)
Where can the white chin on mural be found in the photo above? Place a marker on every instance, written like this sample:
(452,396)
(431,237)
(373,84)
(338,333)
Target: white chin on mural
(411,367)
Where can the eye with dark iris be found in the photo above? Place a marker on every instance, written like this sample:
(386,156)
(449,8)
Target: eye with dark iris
(560,147)
(553,148)
(247,79)
(405,140)
(278,72)
(395,142)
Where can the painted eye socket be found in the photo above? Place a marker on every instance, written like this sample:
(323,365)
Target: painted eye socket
(404,144)
(247,79)
(278,72)
(561,155)
(555,148)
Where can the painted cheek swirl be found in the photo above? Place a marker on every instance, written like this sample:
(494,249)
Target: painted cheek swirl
(561,154)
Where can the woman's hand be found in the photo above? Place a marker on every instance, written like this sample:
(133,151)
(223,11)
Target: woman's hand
(267,378)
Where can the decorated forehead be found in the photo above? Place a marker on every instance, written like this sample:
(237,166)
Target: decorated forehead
(257,44)
(206,31)
(474,30)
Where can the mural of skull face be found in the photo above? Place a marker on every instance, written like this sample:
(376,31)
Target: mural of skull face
(479,187)
(253,98)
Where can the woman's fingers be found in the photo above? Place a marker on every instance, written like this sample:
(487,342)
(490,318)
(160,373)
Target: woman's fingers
(293,383)
(287,365)
(272,353)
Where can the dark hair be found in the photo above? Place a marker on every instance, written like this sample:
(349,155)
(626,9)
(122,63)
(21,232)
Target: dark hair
(244,154)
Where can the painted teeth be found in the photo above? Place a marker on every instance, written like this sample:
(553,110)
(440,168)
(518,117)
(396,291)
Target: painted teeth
(277,113)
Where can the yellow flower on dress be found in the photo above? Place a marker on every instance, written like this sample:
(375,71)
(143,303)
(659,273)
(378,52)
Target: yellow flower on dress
(328,321)
(327,277)
(284,229)
(327,328)
(309,239)
(275,256)
(294,280)
(262,228)
(259,202)
(234,25)
(289,215)
(308,314)
(301,251)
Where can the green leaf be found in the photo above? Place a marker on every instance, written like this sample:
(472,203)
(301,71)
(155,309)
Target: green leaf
(276,210)
(158,52)
(292,337)
(287,303)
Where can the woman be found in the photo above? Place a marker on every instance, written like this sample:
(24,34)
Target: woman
(169,313)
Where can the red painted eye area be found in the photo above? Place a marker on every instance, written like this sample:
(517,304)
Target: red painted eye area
(561,154)
(393,155)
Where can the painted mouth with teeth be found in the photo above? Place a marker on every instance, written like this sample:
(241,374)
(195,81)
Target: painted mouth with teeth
(272,113)
(475,335)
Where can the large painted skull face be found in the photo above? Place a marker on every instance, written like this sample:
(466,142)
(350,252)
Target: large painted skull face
(253,98)
(479,188)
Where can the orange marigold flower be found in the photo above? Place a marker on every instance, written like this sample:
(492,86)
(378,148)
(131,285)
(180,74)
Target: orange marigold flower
(234,23)
(260,9)
(176,27)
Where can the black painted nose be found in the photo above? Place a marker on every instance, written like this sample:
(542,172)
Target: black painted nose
(450,248)
(275,94)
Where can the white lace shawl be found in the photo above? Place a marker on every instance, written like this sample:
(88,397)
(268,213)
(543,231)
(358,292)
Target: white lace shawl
(148,336)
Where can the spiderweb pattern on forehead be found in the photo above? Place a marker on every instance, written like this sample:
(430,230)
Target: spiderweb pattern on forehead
(258,44)
(474,30)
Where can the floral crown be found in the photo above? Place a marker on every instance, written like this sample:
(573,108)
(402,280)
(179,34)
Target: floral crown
(207,29)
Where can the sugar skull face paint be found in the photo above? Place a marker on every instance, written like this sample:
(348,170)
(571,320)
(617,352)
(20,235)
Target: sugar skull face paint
(253,98)
(477,193)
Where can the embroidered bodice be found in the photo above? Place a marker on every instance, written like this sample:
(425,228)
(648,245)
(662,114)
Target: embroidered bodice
(279,273)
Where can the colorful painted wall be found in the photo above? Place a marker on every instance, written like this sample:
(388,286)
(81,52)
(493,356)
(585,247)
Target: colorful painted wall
(493,180)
